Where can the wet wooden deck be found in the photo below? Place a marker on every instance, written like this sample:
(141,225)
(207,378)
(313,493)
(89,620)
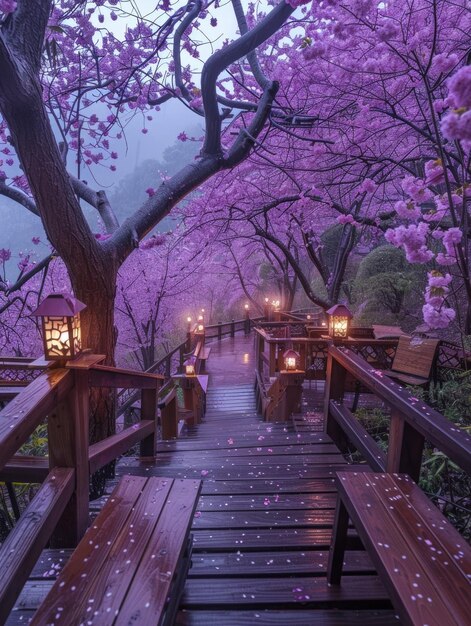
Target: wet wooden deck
(264,521)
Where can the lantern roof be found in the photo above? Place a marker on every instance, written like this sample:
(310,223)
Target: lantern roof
(290,353)
(341,310)
(59,305)
(191,360)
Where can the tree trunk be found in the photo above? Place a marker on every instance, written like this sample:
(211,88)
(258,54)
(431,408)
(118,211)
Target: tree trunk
(99,335)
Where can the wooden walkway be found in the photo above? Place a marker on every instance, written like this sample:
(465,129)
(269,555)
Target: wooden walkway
(264,520)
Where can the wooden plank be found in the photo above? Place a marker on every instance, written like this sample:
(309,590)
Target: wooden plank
(274,563)
(68,592)
(101,453)
(320,518)
(360,438)
(23,545)
(270,539)
(444,533)
(277,501)
(258,592)
(29,408)
(269,487)
(112,577)
(447,568)
(25,469)
(148,594)
(396,561)
(299,617)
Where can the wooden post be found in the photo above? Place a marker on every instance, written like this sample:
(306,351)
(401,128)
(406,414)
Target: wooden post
(219,331)
(338,544)
(293,384)
(334,390)
(247,323)
(68,435)
(405,447)
(182,358)
(272,357)
(149,412)
(169,420)
(232,328)
(168,366)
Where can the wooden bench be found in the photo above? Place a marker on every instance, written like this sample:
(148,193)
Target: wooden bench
(413,360)
(422,560)
(131,565)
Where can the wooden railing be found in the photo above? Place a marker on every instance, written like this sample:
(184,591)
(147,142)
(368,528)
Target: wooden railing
(313,351)
(271,342)
(59,510)
(412,421)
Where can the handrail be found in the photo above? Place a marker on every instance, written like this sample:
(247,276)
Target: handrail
(29,408)
(412,420)
(62,510)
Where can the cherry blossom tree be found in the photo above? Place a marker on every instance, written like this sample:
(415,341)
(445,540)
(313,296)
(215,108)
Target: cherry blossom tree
(58,61)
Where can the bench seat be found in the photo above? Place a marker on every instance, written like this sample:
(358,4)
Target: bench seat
(422,560)
(131,565)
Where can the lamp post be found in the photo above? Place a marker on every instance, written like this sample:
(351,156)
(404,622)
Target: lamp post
(247,318)
(339,317)
(292,379)
(60,319)
(266,309)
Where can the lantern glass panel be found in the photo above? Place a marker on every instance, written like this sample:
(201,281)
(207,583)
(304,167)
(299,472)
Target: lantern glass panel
(190,369)
(290,363)
(62,338)
(339,326)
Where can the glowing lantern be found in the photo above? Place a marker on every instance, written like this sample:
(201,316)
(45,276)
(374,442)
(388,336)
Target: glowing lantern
(189,365)
(291,358)
(60,315)
(200,324)
(339,321)
(246,307)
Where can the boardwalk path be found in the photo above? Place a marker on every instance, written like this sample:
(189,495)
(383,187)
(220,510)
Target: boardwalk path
(263,526)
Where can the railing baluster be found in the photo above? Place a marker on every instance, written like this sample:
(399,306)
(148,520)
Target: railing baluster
(149,412)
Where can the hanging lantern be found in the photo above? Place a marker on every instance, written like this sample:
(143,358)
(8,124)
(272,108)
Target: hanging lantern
(61,331)
(189,366)
(291,358)
(339,321)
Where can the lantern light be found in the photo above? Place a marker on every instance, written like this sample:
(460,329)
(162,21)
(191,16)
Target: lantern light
(246,307)
(266,300)
(291,358)
(188,319)
(200,318)
(189,366)
(61,331)
(339,321)
(308,316)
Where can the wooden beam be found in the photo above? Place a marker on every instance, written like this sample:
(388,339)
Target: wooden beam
(24,544)
(359,437)
(101,453)
(29,408)
(105,376)
(25,469)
